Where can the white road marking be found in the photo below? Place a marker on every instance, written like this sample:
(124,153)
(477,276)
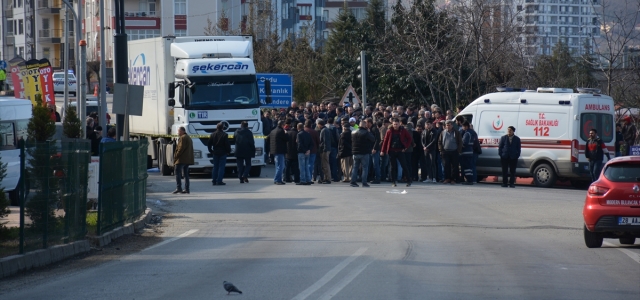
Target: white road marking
(327,277)
(340,285)
(633,255)
(188,233)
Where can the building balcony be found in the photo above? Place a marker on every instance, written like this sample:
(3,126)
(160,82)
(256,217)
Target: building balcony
(148,14)
(8,12)
(10,39)
(50,36)
(49,6)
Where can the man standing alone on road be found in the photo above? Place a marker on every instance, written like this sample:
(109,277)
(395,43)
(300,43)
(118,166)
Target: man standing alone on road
(245,151)
(278,144)
(509,151)
(361,144)
(594,152)
(219,147)
(182,159)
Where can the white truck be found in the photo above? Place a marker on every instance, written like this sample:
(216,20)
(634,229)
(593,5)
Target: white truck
(213,79)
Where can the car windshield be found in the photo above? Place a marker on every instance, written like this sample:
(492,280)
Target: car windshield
(223,92)
(623,172)
(61,76)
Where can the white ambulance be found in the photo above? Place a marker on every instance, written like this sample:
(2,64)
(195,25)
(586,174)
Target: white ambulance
(553,125)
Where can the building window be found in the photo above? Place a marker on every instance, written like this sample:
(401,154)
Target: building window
(138,34)
(21,51)
(359,13)
(10,28)
(325,34)
(46,53)
(180,7)
(20,26)
(181,32)
(304,10)
(285,10)
(325,15)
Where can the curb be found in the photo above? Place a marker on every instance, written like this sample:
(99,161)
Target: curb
(39,258)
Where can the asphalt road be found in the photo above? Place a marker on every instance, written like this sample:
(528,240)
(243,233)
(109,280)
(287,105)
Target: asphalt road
(335,241)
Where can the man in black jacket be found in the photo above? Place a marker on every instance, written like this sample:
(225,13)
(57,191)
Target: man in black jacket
(362,144)
(375,152)
(509,151)
(324,149)
(245,150)
(291,159)
(303,142)
(267,126)
(430,147)
(278,144)
(219,147)
(594,152)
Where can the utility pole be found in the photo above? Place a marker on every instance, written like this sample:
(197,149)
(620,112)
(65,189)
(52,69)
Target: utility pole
(121,57)
(66,62)
(102,116)
(363,77)
(81,77)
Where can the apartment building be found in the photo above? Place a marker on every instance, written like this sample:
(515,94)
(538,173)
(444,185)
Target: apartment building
(547,22)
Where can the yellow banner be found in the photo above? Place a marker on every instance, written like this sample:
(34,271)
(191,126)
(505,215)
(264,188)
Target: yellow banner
(31,79)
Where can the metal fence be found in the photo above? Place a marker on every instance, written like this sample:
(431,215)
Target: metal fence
(123,182)
(53,197)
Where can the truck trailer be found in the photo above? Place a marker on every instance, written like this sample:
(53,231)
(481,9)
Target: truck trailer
(213,80)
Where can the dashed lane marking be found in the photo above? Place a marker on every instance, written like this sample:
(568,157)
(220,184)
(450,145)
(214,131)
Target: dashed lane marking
(327,277)
(633,255)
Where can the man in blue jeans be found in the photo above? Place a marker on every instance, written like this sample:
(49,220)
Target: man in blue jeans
(315,142)
(375,152)
(304,151)
(361,145)
(278,142)
(219,147)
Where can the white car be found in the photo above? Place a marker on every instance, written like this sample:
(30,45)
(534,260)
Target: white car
(58,83)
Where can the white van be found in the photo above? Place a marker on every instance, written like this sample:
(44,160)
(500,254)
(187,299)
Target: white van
(553,125)
(14,118)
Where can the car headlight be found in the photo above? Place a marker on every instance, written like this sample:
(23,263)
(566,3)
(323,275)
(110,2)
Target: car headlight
(197,154)
(259,151)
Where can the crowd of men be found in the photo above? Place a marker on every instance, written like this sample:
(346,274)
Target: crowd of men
(328,143)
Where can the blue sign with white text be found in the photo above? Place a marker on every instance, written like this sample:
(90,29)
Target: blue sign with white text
(281,89)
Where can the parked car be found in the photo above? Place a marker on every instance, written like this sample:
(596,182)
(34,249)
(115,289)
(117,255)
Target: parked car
(58,83)
(612,206)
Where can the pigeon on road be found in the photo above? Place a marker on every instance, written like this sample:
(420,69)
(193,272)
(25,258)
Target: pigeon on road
(229,287)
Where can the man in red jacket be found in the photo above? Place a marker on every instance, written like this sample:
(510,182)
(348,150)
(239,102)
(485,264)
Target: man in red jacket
(395,143)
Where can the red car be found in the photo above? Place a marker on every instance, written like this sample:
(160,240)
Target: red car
(612,206)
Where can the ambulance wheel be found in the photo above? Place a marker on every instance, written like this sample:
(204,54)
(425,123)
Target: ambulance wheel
(544,175)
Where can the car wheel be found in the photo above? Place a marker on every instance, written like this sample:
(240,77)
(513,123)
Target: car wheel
(544,175)
(628,241)
(592,239)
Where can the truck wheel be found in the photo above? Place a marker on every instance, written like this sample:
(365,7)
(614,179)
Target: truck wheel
(255,171)
(14,197)
(544,175)
(628,241)
(162,164)
(592,239)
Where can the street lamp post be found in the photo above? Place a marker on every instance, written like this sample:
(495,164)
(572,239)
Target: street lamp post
(103,70)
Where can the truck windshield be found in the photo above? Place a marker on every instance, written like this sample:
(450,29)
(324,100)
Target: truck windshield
(223,92)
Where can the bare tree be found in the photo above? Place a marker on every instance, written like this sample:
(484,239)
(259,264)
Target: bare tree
(618,32)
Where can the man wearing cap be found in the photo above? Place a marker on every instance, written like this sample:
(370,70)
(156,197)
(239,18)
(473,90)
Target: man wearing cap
(509,151)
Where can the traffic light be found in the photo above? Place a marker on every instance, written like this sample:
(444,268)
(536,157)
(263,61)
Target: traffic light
(363,75)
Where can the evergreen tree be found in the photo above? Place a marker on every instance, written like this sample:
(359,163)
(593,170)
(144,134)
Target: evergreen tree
(342,50)
(71,127)
(562,69)
(41,128)
(4,202)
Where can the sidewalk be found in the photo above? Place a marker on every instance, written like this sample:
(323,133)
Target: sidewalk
(14,217)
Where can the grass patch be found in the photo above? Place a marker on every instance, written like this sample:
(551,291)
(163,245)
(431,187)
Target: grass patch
(92,222)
